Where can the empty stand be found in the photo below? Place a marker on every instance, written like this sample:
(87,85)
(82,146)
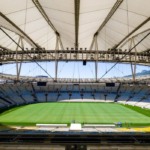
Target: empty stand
(25,93)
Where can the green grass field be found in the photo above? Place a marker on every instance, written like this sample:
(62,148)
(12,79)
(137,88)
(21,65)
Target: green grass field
(107,113)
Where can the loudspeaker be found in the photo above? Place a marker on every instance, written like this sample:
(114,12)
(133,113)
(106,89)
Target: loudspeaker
(110,84)
(41,83)
(84,62)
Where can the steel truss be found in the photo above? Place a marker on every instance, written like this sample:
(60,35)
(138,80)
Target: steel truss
(74,55)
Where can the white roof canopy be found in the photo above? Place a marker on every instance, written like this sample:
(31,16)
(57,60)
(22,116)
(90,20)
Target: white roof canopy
(40,22)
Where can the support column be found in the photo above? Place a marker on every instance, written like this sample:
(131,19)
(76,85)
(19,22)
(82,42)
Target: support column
(96,70)
(92,44)
(96,62)
(22,45)
(133,68)
(18,65)
(56,70)
(56,62)
(133,64)
(58,45)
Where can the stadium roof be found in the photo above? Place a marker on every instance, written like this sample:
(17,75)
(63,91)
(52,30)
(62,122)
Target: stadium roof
(75,23)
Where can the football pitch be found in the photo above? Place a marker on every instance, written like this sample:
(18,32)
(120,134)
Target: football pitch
(63,112)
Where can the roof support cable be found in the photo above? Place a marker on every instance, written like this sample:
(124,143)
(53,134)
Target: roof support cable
(27,54)
(18,31)
(133,31)
(91,69)
(61,69)
(74,69)
(125,42)
(39,7)
(125,55)
(43,13)
(110,14)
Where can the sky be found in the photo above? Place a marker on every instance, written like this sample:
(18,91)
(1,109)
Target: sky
(72,69)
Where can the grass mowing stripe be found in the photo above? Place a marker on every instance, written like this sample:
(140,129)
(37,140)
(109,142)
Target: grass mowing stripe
(67,112)
(145,112)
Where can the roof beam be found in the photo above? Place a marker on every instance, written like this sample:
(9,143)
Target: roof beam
(34,55)
(5,49)
(77,12)
(18,46)
(139,26)
(17,30)
(146,51)
(43,13)
(110,14)
(125,42)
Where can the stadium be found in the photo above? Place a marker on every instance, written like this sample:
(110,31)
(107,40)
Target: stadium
(75,74)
